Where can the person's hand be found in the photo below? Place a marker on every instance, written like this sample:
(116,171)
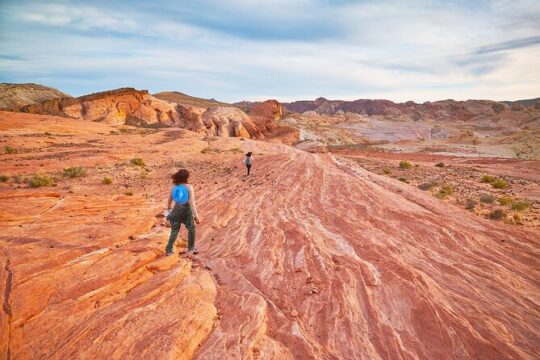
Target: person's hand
(197,219)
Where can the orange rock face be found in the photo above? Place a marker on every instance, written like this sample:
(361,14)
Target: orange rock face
(311,257)
(265,123)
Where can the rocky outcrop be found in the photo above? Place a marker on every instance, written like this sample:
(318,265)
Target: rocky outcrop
(115,107)
(226,121)
(266,123)
(15,96)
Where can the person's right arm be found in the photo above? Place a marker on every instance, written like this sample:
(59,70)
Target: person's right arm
(192,204)
(169,201)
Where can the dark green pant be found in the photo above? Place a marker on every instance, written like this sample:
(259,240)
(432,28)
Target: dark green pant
(181,214)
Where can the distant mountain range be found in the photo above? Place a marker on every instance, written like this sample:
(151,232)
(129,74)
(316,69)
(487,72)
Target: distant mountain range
(16,96)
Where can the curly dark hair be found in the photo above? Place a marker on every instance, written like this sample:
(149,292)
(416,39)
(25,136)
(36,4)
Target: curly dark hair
(180,177)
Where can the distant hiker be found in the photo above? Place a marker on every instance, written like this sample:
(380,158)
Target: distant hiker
(183,212)
(248,160)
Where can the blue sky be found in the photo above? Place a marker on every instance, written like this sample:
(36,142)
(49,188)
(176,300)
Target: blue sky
(288,50)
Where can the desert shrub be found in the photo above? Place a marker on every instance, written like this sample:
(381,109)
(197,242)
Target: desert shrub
(39,181)
(487,199)
(209,150)
(74,171)
(386,171)
(497,214)
(444,191)
(517,219)
(470,204)
(106,181)
(137,162)
(499,184)
(404,164)
(426,186)
(441,164)
(48,133)
(4,178)
(403,180)
(9,150)
(505,200)
(487,179)
(129,193)
(520,205)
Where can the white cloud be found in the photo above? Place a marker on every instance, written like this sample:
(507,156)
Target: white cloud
(380,50)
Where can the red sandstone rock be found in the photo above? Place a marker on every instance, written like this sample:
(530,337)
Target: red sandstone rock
(310,257)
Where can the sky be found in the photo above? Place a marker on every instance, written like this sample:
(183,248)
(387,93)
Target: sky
(288,50)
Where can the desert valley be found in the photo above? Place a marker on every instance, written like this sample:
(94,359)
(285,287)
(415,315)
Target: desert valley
(368,229)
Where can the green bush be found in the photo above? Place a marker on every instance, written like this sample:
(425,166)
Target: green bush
(520,205)
(75,171)
(386,171)
(444,191)
(487,199)
(441,164)
(404,164)
(137,162)
(505,200)
(487,179)
(9,150)
(106,180)
(39,181)
(499,184)
(4,178)
(497,214)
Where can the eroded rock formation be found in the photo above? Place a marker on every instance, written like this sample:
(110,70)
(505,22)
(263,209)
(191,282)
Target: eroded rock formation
(137,107)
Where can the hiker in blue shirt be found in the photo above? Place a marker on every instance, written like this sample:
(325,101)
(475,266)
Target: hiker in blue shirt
(248,160)
(183,212)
